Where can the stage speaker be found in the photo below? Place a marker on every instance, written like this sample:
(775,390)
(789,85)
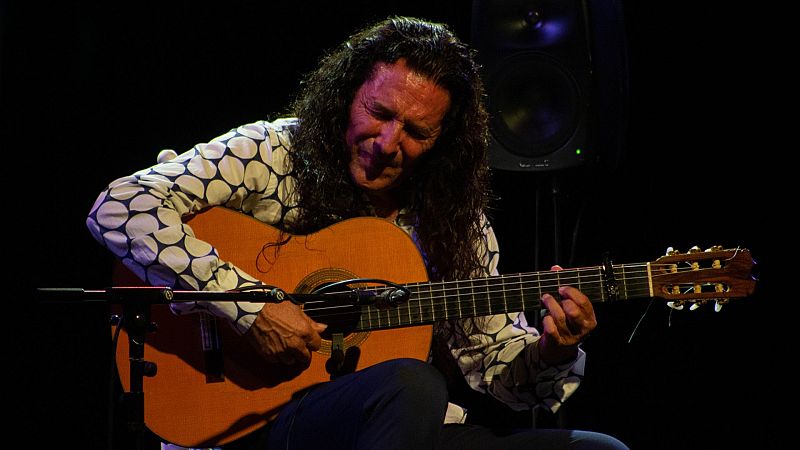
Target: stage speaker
(537,63)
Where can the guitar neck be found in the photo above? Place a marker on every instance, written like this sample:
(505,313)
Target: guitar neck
(433,301)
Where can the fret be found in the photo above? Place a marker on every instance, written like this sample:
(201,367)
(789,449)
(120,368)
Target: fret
(514,300)
(398,318)
(414,311)
(387,312)
(464,289)
(548,282)
(363,316)
(539,285)
(624,292)
(478,299)
(626,277)
(369,314)
(423,311)
(532,291)
(453,294)
(505,300)
(434,299)
(407,305)
(639,281)
(603,289)
(474,300)
(596,291)
(558,282)
(458,302)
(375,316)
(488,296)
(645,288)
(430,316)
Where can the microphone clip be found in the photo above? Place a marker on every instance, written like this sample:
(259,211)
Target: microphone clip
(382,297)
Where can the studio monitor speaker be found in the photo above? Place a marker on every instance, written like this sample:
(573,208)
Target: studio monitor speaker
(539,68)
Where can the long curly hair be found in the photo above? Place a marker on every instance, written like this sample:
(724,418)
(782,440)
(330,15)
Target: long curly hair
(449,189)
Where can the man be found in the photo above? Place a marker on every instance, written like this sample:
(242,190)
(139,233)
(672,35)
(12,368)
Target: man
(390,125)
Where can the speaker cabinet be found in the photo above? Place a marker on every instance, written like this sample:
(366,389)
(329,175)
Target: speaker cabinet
(537,62)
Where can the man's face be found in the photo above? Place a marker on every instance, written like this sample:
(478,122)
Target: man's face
(396,116)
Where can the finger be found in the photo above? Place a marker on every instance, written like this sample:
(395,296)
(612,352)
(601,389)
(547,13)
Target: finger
(555,310)
(313,340)
(549,327)
(575,303)
(286,358)
(574,294)
(569,321)
(556,268)
(578,309)
(300,355)
(573,310)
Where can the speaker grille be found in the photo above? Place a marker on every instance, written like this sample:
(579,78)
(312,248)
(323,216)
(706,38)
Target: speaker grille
(535,104)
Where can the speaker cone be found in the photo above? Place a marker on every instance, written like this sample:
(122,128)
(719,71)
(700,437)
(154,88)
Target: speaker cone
(535,104)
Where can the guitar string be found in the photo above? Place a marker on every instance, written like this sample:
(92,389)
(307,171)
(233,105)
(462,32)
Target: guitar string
(563,278)
(432,298)
(490,282)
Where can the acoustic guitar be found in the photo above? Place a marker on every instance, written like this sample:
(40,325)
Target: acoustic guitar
(210,388)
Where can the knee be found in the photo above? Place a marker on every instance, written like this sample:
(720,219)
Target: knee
(416,381)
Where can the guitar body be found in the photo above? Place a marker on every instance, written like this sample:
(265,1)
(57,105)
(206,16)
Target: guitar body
(186,406)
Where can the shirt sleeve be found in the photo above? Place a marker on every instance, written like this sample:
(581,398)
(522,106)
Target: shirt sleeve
(139,218)
(500,356)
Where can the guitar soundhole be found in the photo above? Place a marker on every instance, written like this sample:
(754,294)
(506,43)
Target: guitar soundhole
(341,319)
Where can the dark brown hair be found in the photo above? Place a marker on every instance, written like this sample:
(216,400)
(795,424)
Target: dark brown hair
(449,189)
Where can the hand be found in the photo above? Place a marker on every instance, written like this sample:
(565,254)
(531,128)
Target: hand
(569,322)
(283,333)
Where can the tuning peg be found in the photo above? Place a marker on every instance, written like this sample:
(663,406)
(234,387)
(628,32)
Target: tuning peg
(714,248)
(671,251)
(694,306)
(718,303)
(694,249)
(675,305)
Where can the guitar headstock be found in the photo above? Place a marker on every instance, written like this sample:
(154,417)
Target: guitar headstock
(698,277)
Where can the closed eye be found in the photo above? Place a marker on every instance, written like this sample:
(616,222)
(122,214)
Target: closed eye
(417,133)
(380,112)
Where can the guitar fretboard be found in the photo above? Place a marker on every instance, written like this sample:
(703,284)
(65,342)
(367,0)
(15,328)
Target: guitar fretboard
(433,301)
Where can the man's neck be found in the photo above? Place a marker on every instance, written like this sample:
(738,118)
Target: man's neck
(386,205)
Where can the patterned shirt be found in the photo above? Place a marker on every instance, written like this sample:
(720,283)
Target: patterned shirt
(248,169)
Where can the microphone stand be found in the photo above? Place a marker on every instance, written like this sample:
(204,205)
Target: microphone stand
(136,302)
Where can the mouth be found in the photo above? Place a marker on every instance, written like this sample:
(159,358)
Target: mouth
(375,166)
(374,170)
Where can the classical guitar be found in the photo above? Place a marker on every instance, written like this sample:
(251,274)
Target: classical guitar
(210,388)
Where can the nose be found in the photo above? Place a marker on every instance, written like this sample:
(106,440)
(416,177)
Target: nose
(388,139)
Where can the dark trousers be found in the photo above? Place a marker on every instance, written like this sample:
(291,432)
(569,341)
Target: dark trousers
(398,404)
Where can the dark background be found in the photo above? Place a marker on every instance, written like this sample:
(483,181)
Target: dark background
(92,92)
